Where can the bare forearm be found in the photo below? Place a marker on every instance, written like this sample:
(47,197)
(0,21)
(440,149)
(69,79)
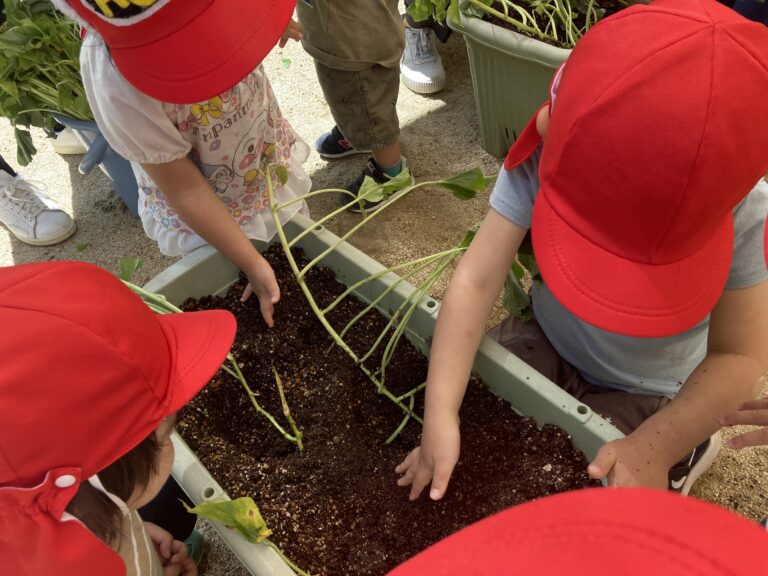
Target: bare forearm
(471,295)
(719,385)
(209,218)
(190,195)
(460,328)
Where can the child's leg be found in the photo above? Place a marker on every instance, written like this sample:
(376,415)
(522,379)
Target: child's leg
(363,104)
(527,341)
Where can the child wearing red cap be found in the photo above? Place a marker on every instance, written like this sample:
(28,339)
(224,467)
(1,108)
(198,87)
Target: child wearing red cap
(646,224)
(177,87)
(85,426)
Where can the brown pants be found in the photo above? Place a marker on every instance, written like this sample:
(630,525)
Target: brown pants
(527,341)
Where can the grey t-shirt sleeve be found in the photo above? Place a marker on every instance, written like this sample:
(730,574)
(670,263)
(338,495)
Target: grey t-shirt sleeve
(515,191)
(748,266)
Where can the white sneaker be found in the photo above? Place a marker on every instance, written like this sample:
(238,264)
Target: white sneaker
(30,215)
(66,142)
(421,67)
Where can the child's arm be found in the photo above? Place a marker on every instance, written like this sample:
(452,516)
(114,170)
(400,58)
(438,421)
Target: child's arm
(730,374)
(191,196)
(473,290)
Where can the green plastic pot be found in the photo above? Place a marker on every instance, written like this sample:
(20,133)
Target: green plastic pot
(511,75)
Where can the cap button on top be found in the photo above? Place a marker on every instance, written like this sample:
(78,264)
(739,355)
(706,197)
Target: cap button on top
(65,481)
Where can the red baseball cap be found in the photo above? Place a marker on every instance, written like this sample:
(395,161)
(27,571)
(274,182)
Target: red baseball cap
(654,139)
(88,372)
(628,531)
(184,51)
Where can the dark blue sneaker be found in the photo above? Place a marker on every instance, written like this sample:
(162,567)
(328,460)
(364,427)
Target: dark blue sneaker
(371,170)
(333,145)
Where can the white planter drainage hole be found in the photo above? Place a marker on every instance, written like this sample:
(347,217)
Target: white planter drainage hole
(581,409)
(208,492)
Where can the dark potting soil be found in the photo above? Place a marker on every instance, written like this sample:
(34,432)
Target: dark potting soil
(335,508)
(608,6)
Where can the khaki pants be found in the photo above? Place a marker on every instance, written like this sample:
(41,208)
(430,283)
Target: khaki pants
(527,341)
(363,104)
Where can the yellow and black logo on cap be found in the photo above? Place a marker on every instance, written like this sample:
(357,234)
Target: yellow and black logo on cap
(121,8)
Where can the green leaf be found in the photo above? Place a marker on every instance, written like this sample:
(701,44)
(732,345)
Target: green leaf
(466,185)
(516,300)
(282,174)
(128,268)
(25,149)
(242,515)
(374,192)
(453,11)
(83,246)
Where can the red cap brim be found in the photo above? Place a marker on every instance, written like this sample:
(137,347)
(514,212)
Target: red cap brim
(633,532)
(623,296)
(526,143)
(199,343)
(209,55)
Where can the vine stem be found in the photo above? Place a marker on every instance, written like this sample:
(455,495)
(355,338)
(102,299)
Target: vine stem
(159,304)
(285,558)
(311,300)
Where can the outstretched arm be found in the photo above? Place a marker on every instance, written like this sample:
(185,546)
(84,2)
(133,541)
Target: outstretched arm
(473,290)
(729,375)
(189,193)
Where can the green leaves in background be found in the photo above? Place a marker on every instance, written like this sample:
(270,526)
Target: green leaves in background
(242,515)
(421,10)
(39,70)
(524,271)
(128,268)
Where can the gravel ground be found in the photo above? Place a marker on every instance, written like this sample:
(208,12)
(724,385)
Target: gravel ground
(440,138)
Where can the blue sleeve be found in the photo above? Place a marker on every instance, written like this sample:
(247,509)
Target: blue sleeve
(515,191)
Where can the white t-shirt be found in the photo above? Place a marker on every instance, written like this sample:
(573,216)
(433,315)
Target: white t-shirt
(637,365)
(231,138)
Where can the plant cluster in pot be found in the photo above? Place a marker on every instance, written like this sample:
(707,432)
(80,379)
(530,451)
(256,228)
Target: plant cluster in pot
(333,501)
(514,49)
(40,85)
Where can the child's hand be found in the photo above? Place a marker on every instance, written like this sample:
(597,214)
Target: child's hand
(262,282)
(754,413)
(293,32)
(173,554)
(434,460)
(626,463)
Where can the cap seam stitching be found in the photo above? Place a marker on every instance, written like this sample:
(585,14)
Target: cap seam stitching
(663,235)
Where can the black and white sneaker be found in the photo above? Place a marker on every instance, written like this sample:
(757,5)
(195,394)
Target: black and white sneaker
(373,171)
(684,474)
(332,145)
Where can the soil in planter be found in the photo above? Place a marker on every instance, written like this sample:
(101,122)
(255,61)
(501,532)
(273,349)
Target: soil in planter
(335,509)
(609,7)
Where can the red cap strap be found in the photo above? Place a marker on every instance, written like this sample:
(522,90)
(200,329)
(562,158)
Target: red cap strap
(38,537)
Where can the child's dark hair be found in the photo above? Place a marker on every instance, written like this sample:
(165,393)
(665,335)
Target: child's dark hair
(123,478)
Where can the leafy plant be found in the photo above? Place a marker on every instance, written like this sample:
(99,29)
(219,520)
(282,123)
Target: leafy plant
(559,22)
(521,275)
(243,516)
(39,71)
(464,186)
